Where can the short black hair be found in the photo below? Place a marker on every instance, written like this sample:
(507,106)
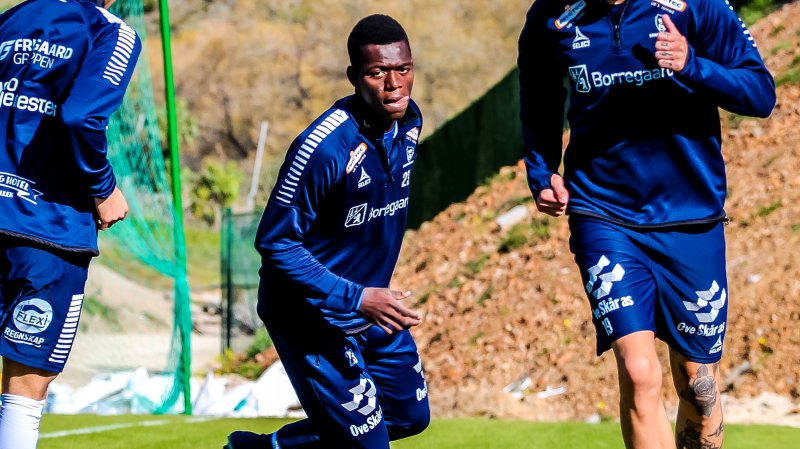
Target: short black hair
(378,29)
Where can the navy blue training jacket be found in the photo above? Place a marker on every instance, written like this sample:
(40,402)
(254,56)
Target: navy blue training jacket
(644,145)
(64,67)
(337,214)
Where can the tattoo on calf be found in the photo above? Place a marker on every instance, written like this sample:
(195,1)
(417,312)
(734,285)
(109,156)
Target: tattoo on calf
(702,391)
(719,430)
(690,438)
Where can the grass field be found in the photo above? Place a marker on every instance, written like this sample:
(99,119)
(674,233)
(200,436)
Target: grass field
(179,432)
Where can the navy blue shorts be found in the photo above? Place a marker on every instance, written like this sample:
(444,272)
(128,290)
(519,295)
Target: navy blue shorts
(359,391)
(671,281)
(42,293)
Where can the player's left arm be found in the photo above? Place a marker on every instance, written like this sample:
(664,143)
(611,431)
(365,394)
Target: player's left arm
(96,93)
(722,60)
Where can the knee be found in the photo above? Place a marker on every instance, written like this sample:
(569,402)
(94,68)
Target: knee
(643,373)
(26,381)
(702,393)
(410,425)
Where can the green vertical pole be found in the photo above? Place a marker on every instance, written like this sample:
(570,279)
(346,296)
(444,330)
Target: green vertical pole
(182,311)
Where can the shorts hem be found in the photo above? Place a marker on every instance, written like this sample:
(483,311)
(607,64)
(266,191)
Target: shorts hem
(36,365)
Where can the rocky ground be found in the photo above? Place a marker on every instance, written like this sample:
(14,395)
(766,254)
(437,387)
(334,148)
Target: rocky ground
(507,330)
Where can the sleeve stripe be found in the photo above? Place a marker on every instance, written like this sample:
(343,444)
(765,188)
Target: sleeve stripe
(118,63)
(326,126)
(290,184)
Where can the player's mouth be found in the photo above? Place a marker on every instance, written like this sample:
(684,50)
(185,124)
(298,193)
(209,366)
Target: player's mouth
(396,104)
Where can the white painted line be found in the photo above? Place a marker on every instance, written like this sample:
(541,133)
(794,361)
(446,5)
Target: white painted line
(98,429)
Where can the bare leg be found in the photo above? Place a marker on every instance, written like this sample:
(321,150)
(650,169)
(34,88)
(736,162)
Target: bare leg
(700,424)
(22,380)
(643,417)
(24,393)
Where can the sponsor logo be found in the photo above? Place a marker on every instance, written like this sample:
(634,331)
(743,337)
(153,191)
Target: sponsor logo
(34,51)
(21,337)
(356,156)
(571,13)
(356,216)
(22,186)
(580,41)
(10,99)
(371,423)
(606,280)
(705,307)
(703,330)
(363,393)
(585,80)
(409,153)
(422,393)
(388,210)
(351,357)
(413,134)
(33,316)
(364,179)
(580,75)
(5,49)
(717,346)
(418,366)
(675,5)
(659,19)
(609,305)
(364,401)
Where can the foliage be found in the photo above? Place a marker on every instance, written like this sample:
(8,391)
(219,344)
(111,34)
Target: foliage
(236,363)
(214,188)
(188,127)
(766,210)
(792,74)
(475,266)
(523,233)
(756,9)
(260,343)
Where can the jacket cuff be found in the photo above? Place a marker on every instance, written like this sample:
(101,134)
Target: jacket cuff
(345,297)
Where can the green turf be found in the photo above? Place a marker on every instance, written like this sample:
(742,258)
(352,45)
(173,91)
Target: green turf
(178,432)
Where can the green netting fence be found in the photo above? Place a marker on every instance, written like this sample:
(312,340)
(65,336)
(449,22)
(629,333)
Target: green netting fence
(239,264)
(152,233)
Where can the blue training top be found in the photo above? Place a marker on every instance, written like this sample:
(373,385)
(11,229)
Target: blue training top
(64,67)
(644,144)
(336,217)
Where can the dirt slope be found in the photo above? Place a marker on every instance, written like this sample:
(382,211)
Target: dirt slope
(497,312)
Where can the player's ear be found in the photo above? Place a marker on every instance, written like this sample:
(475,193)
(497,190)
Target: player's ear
(352,75)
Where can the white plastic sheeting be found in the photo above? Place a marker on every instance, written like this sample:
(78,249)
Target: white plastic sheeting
(136,391)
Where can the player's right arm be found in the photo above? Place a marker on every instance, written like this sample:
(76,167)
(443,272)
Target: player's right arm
(302,186)
(542,103)
(97,91)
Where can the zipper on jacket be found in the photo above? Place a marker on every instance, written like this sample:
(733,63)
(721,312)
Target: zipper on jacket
(616,23)
(385,158)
